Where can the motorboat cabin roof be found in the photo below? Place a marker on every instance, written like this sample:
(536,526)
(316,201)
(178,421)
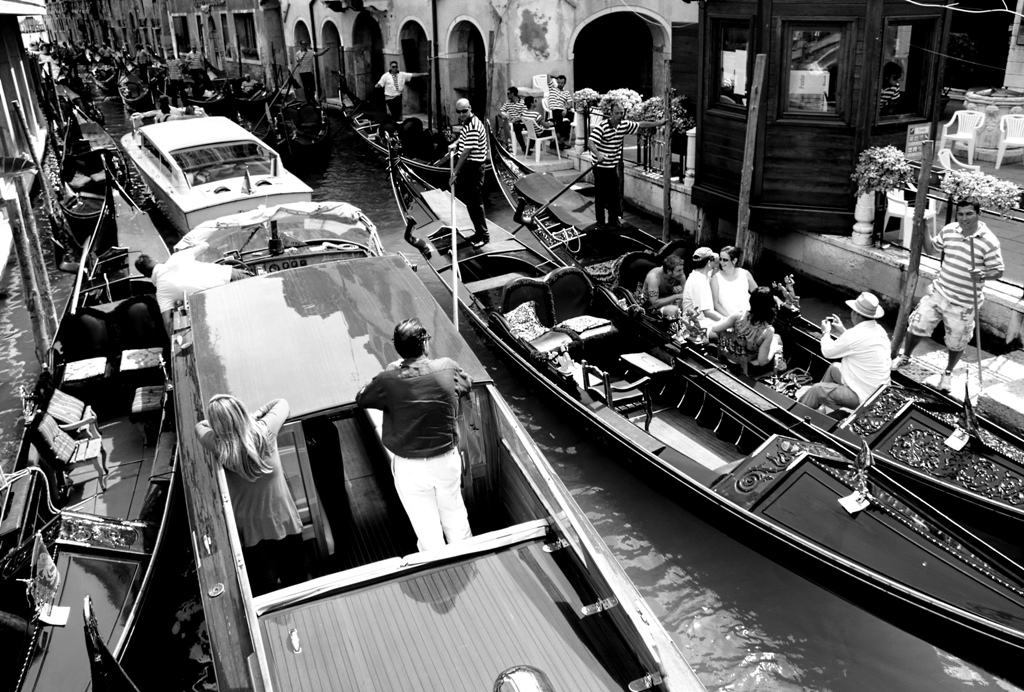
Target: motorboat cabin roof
(181,134)
(321,314)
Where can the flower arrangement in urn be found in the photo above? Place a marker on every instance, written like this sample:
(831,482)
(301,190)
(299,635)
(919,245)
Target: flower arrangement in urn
(990,192)
(881,169)
(585,100)
(654,109)
(627,98)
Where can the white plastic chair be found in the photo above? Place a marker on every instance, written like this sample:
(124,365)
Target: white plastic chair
(513,145)
(541,81)
(968,123)
(952,163)
(530,136)
(1011,134)
(897,206)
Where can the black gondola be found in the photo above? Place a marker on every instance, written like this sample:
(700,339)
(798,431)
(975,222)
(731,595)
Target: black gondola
(105,77)
(301,134)
(252,106)
(135,94)
(680,418)
(91,496)
(220,102)
(907,423)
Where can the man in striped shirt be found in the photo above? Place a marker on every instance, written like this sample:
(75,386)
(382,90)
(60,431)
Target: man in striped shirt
(468,176)
(606,150)
(559,103)
(970,256)
(512,112)
(197,70)
(305,66)
(174,85)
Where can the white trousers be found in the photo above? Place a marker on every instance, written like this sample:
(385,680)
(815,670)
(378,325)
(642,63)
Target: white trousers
(431,492)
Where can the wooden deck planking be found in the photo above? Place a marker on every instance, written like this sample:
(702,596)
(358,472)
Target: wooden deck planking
(136,231)
(686,435)
(460,626)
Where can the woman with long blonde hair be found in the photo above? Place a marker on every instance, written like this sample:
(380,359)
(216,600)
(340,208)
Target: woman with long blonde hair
(268,523)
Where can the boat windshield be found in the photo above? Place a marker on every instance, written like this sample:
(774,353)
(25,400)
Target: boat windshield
(293,233)
(211,163)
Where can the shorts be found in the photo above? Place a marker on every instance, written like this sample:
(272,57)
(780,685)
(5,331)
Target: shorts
(958,320)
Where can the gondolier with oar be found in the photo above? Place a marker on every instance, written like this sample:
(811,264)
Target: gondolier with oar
(468,174)
(305,66)
(971,255)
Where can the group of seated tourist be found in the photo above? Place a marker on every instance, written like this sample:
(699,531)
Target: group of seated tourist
(731,307)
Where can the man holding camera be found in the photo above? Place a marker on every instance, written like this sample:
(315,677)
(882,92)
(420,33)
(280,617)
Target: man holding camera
(864,350)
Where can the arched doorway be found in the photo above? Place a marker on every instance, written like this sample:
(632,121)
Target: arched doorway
(415,58)
(366,56)
(330,62)
(467,66)
(301,34)
(601,69)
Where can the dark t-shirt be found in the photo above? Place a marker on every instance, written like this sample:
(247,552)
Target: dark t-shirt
(420,400)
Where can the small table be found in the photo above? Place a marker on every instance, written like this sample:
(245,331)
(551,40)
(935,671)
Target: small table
(646,363)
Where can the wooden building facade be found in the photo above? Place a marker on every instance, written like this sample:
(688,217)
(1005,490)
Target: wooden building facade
(840,76)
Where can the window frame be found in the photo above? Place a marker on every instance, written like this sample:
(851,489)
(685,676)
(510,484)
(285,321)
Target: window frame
(846,27)
(927,76)
(238,37)
(714,90)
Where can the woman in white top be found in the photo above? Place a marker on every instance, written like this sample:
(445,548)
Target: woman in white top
(732,285)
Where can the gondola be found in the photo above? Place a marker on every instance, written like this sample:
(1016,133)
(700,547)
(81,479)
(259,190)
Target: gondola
(429,160)
(105,77)
(728,452)
(91,166)
(983,486)
(91,498)
(301,134)
(252,106)
(135,94)
(220,103)
(534,567)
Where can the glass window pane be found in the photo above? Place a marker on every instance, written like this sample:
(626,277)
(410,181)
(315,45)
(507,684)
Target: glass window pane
(731,53)
(904,68)
(814,70)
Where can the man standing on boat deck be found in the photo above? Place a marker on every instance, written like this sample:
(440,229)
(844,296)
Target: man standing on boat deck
(182,274)
(468,177)
(197,69)
(393,82)
(971,254)
(864,350)
(305,66)
(606,150)
(175,85)
(420,400)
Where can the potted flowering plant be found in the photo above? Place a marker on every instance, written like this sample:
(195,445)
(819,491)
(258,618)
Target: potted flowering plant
(879,170)
(989,191)
(584,100)
(628,98)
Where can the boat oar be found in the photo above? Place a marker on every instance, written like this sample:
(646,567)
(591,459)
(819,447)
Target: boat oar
(455,245)
(977,321)
(519,217)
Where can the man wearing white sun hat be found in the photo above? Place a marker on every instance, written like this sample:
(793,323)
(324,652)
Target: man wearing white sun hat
(864,353)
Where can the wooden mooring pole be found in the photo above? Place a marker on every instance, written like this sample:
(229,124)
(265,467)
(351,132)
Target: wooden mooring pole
(44,183)
(666,201)
(899,332)
(750,242)
(29,285)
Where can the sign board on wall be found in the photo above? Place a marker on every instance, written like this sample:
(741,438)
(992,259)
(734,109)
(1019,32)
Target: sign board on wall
(917,135)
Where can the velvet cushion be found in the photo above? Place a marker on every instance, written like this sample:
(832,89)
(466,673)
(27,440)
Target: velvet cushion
(524,322)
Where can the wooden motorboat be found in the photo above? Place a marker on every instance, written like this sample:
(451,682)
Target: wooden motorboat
(95,478)
(272,239)
(730,452)
(202,169)
(301,134)
(535,586)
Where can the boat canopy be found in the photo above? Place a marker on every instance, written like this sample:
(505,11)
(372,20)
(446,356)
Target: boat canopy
(257,339)
(337,222)
(172,135)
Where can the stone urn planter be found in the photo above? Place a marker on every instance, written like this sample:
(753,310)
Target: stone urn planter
(864,213)
(994,103)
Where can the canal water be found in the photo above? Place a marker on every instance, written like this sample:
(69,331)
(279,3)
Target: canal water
(742,622)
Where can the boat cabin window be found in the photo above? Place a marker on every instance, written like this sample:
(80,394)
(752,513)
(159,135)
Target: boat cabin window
(156,154)
(216,162)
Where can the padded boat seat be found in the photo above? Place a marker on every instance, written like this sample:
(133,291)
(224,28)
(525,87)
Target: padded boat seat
(586,327)
(68,451)
(145,402)
(71,413)
(550,342)
(571,296)
(141,359)
(88,370)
